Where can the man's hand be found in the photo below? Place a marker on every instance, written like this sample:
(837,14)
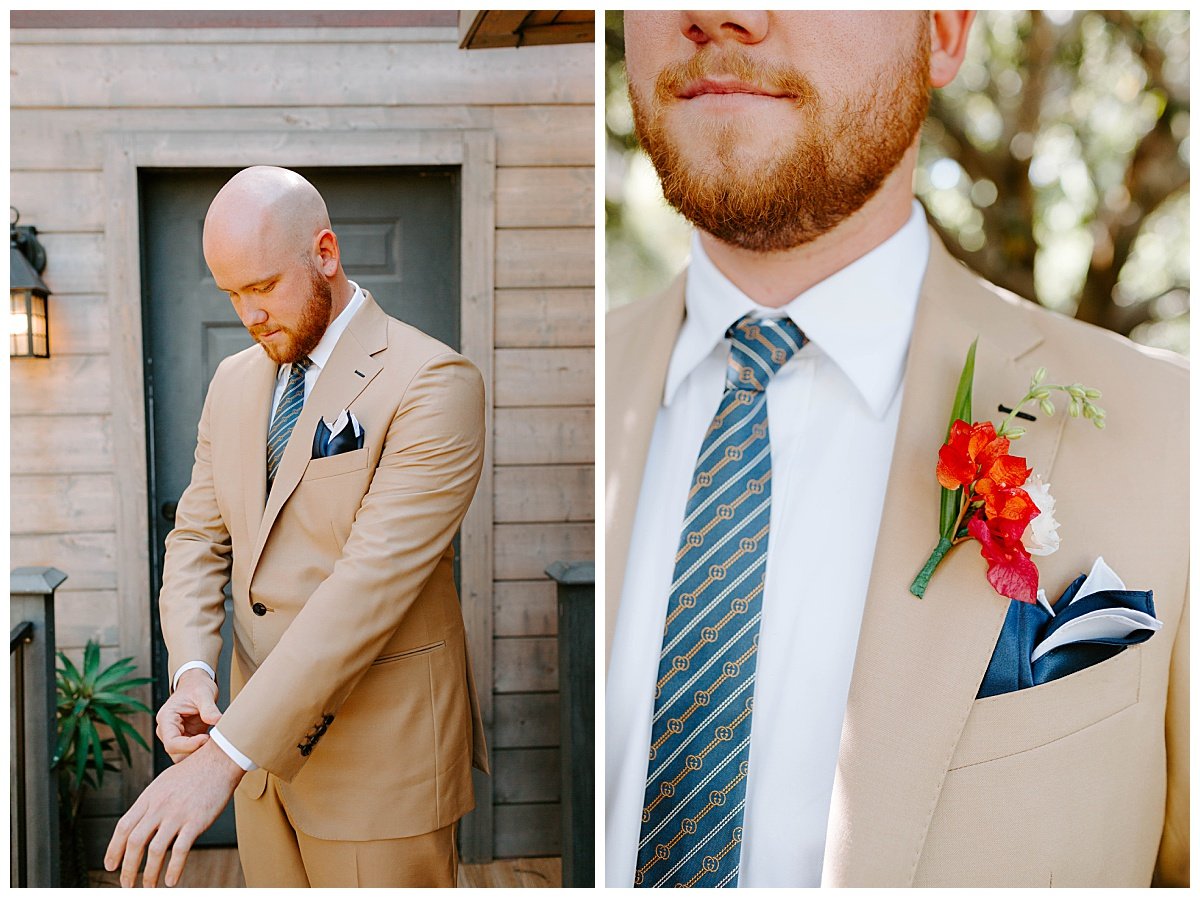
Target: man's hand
(173,811)
(185,717)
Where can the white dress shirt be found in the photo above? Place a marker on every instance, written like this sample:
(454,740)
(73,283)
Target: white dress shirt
(319,358)
(832,411)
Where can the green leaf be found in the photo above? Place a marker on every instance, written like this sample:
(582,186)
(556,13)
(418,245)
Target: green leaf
(118,700)
(120,669)
(69,669)
(114,724)
(951,502)
(81,755)
(97,753)
(123,685)
(962,397)
(91,660)
(961,411)
(65,735)
(127,727)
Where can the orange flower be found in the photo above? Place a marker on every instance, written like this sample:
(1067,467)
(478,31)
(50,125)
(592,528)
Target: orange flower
(1000,489)
(968,451)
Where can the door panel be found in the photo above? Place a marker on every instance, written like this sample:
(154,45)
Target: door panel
(398,232)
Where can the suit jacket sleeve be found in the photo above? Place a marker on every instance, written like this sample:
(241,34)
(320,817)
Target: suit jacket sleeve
(196,565)
(1173,867)
(419,493)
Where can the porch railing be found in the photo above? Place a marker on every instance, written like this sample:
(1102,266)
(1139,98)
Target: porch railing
(34,831)
(577,705)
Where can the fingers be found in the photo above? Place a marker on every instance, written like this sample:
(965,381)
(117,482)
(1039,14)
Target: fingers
(116,845)
(179,805)
(179,855)
(179,747)
(154,857)
(170,725)
(133,852)
(209,712)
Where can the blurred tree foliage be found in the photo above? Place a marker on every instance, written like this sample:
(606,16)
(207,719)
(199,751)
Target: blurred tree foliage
(1055,165)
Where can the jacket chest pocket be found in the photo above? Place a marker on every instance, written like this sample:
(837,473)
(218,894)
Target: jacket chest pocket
(1015,722)
(332,466)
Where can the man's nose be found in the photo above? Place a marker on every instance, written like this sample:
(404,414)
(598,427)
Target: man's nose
(252,316)
(722,25)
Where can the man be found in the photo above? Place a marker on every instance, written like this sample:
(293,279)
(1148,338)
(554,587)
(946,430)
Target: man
(773,427)
(334,463)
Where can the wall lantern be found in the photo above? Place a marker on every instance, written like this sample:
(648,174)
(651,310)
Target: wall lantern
(28,335)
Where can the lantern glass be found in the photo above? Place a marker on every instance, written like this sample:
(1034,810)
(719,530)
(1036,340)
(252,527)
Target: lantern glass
(28,326)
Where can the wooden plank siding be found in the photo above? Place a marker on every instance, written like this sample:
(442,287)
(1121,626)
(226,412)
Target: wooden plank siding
(544,481)
(73,89)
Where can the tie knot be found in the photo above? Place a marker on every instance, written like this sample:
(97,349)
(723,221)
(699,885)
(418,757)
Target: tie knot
(301,366)
(761,346)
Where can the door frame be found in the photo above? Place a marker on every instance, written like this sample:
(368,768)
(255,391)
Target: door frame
(473,151)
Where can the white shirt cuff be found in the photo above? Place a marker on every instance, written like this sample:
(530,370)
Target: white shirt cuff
(188,666)
(238,758)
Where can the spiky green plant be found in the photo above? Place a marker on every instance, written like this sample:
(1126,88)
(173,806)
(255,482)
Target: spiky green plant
(88,699)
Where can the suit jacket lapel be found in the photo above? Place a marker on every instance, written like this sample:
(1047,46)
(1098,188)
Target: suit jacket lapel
(919,662)
(639,353)
(350,368)
(254,420)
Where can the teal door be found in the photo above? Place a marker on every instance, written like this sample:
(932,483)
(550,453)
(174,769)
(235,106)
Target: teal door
(399,235)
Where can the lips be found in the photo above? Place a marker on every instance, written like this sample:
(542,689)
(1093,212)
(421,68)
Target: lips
(721,86)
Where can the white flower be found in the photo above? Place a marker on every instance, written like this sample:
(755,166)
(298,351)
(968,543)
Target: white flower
(1041,536)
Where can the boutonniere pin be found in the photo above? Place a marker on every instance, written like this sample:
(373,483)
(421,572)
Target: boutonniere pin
(987,494)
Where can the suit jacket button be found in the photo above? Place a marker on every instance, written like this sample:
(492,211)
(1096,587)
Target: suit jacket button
(259,608)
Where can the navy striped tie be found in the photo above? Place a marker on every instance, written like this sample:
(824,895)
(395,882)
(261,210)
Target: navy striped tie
(704,698)
(290,406)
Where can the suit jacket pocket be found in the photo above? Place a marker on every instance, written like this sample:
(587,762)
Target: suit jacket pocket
(419,650)
(336,464)
(1004,725)
(253,784)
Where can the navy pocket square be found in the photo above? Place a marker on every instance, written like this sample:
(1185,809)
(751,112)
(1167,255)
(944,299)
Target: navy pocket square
(1037,645)
(344,435)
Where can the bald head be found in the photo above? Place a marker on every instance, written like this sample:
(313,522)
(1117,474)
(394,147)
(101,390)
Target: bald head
(265,203)
(268,244)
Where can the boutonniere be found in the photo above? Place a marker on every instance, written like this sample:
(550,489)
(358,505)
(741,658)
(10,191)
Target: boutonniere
(987,494)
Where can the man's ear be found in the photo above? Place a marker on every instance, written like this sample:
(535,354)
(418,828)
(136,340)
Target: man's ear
(328,254)
(948,30)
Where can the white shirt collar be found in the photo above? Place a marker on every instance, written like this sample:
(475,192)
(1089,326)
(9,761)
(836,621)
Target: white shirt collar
(324,349)
(860,317)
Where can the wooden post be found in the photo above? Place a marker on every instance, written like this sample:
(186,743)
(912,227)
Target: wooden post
(577,704)
(31,591)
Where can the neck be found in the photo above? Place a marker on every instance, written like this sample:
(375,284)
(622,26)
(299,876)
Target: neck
(342,292)
(774,279)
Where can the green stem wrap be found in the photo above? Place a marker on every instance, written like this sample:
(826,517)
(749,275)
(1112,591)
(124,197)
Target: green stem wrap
(922,580)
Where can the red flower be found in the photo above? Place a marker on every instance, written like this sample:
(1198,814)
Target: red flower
(1010,570)
(998,510)
(969,451)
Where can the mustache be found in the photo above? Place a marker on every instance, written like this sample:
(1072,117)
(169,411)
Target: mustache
(770,77)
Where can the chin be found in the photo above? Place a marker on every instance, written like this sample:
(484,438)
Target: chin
(732,147)
(280,355)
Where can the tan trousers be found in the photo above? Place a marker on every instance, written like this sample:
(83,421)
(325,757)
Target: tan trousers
(274,853)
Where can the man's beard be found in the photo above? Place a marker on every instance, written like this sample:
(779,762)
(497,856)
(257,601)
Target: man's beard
(304,338)
(829,172)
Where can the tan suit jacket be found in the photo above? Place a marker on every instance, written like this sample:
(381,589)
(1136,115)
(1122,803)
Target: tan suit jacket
(1080,781)
(354,687)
